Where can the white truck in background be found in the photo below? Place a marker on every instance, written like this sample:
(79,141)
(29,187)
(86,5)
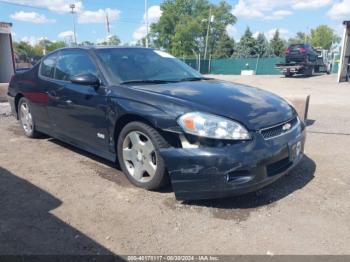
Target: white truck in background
(344,65)
(7,63)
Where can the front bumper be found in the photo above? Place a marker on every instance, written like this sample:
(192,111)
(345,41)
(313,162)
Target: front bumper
(205,173)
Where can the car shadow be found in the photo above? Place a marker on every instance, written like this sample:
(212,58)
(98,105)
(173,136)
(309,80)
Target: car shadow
(310,122)
(79,151)
(114,166)
(296,179)
(301,76)
(28,228)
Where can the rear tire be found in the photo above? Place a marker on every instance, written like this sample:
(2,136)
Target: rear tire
(139,158)
(26,118)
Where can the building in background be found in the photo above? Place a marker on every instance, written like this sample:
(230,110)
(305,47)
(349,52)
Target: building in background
(7,65)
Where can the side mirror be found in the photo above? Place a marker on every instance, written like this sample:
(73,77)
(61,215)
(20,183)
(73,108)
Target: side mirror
(86,79)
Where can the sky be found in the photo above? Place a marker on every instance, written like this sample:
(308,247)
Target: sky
(37,19)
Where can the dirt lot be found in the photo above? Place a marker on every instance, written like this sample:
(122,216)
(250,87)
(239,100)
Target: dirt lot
(56,199)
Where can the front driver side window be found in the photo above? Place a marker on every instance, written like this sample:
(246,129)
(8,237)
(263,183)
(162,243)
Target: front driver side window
(71,63)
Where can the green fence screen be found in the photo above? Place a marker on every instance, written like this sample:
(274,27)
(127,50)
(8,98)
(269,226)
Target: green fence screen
(262,66)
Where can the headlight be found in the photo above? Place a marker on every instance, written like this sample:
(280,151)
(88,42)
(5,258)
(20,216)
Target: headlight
(212,126)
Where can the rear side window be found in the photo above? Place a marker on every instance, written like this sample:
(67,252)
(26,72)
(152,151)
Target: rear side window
(73,62)
(48,65)
(296,46)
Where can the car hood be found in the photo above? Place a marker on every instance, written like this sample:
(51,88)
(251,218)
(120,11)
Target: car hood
(253,107)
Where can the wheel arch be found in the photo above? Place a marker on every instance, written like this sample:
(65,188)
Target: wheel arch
(17,98)
(170,137)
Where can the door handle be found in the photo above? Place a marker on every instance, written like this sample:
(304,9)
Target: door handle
(52,95)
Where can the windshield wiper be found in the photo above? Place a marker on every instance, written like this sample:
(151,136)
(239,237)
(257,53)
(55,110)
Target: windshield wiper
(147,81)
(195,79)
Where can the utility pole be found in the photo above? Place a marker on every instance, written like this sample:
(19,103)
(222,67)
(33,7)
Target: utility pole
(146,17)
(207,38)
(108,27)
(72,6)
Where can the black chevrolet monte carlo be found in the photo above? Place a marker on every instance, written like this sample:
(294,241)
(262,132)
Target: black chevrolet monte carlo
(163,121)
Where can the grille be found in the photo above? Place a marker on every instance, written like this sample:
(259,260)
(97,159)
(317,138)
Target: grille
(274,131)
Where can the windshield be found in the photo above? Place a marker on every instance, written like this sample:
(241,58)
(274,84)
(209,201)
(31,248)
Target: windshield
(144,65)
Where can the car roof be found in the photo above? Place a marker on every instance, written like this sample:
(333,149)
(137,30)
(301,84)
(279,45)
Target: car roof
(93,47)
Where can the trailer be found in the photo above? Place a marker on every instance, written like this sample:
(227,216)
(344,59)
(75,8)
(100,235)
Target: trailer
(323,64)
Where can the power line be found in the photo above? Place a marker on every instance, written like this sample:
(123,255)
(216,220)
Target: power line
(23,5)
(128,21)
(47,9)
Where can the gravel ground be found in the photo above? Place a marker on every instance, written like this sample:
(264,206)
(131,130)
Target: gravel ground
(56,199)
(3,92)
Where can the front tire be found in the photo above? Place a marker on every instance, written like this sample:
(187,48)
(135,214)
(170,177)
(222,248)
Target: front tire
(139,158)
(26,118)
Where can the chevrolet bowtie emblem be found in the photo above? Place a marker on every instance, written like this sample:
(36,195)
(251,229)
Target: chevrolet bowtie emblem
(286,127)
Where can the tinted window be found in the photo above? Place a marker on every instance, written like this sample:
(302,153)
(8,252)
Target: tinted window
(126,64)
(70,63)
(48,65)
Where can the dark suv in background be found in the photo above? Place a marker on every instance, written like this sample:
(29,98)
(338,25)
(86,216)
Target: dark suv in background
(301,53)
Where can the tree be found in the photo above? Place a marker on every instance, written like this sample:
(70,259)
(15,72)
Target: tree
(247,46)
(86,43)
(224,48)
(55,45)
(24,50)
(277,44)
(31,54)
(112,40)
(323,36)
(182,28)
(262,46)
(218,34)
(38,48)
(300,38)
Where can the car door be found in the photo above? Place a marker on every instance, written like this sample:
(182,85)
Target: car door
(78,112)
(35,87)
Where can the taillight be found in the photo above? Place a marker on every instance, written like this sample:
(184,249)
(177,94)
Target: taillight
(302,50)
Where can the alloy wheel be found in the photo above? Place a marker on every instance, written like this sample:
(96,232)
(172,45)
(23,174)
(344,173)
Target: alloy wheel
(139,156)
(26,118)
